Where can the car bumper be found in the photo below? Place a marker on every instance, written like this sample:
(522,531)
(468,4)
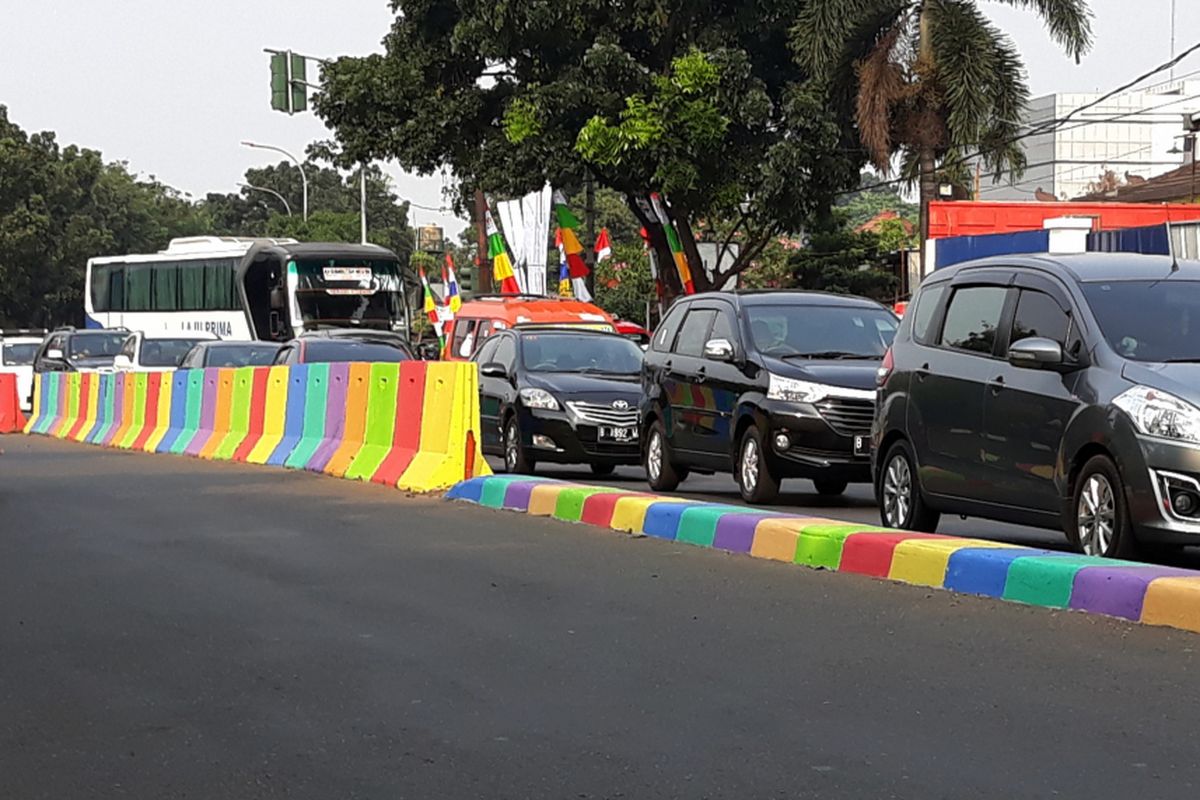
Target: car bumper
(814,448)
(557,438)
(1154,470)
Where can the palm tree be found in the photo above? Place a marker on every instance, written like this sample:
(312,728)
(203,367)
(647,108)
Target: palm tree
(932,80)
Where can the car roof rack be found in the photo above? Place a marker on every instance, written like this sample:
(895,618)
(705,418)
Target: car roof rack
(64,328)
(23,332)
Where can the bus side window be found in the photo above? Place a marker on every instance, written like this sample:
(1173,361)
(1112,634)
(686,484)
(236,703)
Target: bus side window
(464,339)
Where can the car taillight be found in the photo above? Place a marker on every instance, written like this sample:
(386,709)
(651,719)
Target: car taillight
(885,368)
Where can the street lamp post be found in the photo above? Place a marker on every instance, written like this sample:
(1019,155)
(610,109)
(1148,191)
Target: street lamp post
(282,199)
(299,165)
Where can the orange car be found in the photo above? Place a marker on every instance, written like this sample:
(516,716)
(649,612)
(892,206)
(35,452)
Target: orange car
(483,315)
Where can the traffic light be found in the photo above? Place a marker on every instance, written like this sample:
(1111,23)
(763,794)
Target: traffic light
(289,82)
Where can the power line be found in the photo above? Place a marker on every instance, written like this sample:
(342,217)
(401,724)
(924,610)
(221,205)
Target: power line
(1047,127)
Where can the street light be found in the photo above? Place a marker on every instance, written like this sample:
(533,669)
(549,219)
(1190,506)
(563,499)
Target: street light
(299,165)
(282,199)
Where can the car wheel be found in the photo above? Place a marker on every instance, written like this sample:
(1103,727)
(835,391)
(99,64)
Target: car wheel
(757,481)
(661,474)
(600,470)
(516,458)
(1100,522)
(830,487)
(901,504)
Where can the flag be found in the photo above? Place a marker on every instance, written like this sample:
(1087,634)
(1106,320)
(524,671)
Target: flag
(603,246)
(681,262)
(431,310)
(564,274)
(567,223)
(502,270)
(658,284)
(453,298)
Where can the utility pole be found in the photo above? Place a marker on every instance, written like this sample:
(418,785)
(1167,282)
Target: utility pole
(589,217)
(362,198)
(481,257)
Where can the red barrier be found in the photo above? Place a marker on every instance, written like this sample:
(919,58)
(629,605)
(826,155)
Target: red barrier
(11,418)
(258,413)
(407,437)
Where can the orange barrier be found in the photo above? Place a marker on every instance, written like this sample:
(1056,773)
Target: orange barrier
(11,418)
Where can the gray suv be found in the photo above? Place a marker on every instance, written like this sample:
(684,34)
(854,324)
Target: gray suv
(1055,391)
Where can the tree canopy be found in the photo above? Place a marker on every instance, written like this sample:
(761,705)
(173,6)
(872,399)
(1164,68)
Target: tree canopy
(700,101)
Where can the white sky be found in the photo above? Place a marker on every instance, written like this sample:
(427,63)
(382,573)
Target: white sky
(172,87)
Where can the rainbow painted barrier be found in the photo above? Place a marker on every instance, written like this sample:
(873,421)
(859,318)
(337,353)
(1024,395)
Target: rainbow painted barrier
(412,425)
(1139,592)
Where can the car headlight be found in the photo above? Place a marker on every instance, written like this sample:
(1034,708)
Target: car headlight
(795,391)
(539,398)
(1157,413)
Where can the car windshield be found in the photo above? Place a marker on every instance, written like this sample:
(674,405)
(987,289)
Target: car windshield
(348,292)
(96,345)
(1157,321)
(567,352)
(242,355)
(321,352)
(19,355)
(812,331)
(165,352)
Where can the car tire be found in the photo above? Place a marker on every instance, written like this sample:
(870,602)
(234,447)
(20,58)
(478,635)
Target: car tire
(756,479)
(901,503)
(601,470)
(830,487)
(1099,524)
(516,457)
(661,473)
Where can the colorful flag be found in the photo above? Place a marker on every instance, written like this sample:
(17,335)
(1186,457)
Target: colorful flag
(564,274)
(431,310)
(453,298)
(658,284)
(567,223)
(502,270)
(681,262)
(603,246)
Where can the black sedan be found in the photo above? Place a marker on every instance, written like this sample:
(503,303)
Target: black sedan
(560,396)
(230,354)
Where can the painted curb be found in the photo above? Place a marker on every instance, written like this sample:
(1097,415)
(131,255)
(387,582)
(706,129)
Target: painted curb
(1143,593)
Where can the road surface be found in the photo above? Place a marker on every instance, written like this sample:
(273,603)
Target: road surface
(173,628)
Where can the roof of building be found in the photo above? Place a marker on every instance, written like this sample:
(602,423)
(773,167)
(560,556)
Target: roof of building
(1182,183)
(872,225)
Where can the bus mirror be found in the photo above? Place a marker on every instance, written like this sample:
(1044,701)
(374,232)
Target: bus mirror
(276,323)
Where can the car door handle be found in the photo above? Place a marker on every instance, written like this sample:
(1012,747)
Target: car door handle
(700,376)
(996,384)
(922,372)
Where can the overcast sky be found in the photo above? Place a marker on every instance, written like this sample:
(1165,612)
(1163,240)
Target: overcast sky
(173,87)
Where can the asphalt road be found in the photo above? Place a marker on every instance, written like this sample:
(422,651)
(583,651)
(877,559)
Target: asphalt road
(171,628)
(856,505)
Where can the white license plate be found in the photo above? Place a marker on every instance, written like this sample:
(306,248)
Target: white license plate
(862,445)
(611,434)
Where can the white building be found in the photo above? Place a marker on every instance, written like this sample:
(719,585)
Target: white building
(1129,133)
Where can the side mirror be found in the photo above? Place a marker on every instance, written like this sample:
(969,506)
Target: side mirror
(493,369)
(123,361)
(1035,353)
(718,350)
(54,354)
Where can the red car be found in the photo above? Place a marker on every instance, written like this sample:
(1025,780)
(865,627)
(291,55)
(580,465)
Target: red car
(633,331)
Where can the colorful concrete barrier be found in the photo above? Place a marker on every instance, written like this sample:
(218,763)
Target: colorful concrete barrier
(412,425)
(1138,592)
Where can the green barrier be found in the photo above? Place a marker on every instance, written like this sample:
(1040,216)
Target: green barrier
(139,410)
(381,422)
(239,413)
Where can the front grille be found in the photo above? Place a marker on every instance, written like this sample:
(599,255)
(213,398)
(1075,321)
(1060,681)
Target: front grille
(848,417)
(600,414)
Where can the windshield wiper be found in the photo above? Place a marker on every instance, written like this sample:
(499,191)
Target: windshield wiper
(832,355)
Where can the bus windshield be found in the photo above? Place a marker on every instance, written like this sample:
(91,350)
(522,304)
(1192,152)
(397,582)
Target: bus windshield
(348,292)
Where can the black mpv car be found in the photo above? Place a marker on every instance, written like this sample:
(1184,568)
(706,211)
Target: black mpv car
(1056,391)
(766,385)
(560,396)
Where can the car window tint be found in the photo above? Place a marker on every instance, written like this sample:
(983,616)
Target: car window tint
(724,328)
(318,352)
(665,335)
(1040,314)
(973,318)
(506,353)
(129,347)
(694,332)
(463,340)
(487,352)
(927,304)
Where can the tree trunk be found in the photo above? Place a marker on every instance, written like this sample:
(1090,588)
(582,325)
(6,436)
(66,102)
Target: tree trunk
(667,274)
(687,238)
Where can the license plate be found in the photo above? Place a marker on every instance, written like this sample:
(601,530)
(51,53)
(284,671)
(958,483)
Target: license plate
(862,445)
(619,435)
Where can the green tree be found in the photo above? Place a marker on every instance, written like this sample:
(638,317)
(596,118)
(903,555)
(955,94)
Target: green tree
(932,80)
(624,283)
(874,196)
(698,101)
(60,206)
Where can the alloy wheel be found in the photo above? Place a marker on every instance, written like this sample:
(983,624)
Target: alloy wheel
(749,465)
(512,447)
(897,492)
(654,456)
(1097,515)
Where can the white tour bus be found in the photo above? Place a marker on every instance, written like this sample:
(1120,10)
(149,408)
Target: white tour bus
(269,289)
